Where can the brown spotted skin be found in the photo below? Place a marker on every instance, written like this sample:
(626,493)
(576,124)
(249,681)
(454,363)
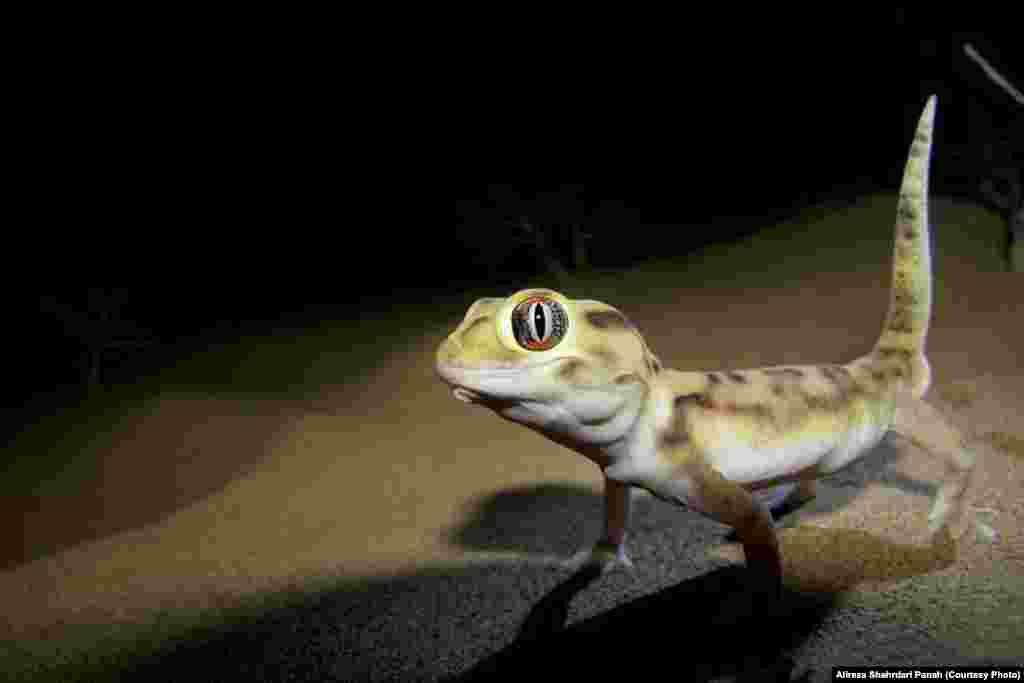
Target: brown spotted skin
(608,320)
(766,406)
(712,440)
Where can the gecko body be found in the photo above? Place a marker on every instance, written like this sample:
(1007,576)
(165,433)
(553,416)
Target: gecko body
(730,444)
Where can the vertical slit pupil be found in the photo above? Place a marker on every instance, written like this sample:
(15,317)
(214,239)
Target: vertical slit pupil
(538,320)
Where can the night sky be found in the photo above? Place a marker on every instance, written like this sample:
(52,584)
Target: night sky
(214,207)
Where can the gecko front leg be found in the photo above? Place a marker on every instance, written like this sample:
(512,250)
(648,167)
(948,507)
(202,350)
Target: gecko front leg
(610,551)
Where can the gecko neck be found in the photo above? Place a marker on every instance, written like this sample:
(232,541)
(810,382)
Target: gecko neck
(601,430)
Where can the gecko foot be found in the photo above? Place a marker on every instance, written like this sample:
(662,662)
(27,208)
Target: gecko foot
(604,555)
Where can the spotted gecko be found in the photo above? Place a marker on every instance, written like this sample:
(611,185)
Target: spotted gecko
(728,444)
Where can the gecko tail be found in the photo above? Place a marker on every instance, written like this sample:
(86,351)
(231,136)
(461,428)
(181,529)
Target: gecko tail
(910,298)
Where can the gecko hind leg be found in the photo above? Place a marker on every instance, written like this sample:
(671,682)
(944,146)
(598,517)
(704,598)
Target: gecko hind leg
(731,504)
(926,428)
(783,500)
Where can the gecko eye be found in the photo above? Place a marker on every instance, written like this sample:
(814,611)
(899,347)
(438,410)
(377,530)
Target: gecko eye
(539,323)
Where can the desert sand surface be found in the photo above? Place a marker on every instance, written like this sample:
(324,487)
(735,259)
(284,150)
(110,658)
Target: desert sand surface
(419,537)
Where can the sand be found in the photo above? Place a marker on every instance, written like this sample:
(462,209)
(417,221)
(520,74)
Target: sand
(384,482)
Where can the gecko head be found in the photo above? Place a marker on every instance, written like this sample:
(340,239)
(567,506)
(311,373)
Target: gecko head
(547,361)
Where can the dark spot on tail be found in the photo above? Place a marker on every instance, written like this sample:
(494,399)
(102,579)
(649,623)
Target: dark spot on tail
(892,362)
(900,322)
(887,352)
(713,378)
(905,210)
(737,377)
(905,299)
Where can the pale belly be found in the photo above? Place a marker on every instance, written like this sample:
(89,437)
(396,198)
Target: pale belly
(821,451)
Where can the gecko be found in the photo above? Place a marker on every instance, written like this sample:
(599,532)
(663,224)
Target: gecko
(728,444)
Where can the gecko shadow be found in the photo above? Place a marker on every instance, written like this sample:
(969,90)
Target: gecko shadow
(505,620)
(713,625)
(457,624)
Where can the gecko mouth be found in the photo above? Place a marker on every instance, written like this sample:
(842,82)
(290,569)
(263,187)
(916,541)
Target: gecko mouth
(477,398)
(466,395)
(458,375)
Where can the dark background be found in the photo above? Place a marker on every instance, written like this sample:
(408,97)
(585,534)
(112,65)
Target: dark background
(220,192)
